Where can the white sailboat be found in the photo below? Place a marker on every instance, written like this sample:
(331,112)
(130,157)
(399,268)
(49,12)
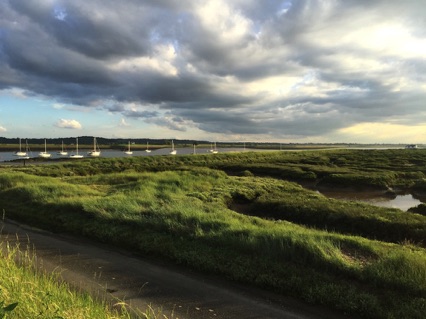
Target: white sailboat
(96,151)
(147,149)
(173,151)
(44,154)
(214,149)
(76,155)
(62,152)
(20,153)
(128,152)
(27,151)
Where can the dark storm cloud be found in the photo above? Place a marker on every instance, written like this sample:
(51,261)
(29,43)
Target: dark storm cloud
(222,121)
(142,114)
(82,27)
(284,68)
(37,57)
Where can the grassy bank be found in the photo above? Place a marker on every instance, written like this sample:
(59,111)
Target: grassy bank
(26,292)
(198,211)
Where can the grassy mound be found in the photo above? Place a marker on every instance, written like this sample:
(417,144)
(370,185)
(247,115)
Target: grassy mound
(195,211)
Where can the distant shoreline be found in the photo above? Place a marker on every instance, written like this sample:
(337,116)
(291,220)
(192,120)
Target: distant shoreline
(11,145)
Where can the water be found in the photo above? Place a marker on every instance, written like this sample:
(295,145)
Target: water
(402,202)
(8,156)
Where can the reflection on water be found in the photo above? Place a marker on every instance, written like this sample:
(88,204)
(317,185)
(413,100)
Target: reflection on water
(403,202)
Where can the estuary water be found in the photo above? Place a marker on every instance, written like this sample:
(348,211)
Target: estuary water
(9,156)
(403,201)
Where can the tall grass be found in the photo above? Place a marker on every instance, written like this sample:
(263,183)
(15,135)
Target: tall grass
(37,294)
(183,216)
(306,246)
(375,168)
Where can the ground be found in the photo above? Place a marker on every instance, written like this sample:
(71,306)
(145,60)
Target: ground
(179,293)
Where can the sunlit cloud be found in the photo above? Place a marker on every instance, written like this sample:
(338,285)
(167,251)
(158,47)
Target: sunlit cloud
(259,69)
(2,129)
(385,132)
(68,124)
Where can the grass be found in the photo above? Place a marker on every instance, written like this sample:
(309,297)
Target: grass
(30,293)
(235,215)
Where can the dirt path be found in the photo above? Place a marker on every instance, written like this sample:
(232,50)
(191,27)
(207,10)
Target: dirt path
(141,283)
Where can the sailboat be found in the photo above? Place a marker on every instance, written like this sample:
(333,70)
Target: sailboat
(147,149)
(96,151)
(76,155)
(128,152)
(62,151)
(173,151)
(44,154)
(214,149)
(20,153)
(27,150)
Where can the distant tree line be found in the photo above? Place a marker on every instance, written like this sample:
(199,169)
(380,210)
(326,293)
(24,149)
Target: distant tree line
(100,140)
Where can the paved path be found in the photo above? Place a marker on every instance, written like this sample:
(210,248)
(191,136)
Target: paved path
(141,283)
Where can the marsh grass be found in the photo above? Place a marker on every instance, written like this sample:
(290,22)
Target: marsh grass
(309,208)
(306,245)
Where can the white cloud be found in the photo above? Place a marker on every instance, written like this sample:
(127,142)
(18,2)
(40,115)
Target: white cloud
(15,92)
(3,129)
(123,123)
(70,124)
(227,22)
(161,62)
(58,106)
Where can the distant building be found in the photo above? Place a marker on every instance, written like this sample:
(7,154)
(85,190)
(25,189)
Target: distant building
(411,146)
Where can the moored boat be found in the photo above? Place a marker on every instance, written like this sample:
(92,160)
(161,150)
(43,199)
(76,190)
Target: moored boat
(62,152)
(128,152)
(96,152)
(76,155)
(173,151)
(20,153)
(44,154)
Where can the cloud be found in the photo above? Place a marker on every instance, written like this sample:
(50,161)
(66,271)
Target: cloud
(68,124)
(123,123)
(274,68)
(3,129)
(58,106)
(384,132)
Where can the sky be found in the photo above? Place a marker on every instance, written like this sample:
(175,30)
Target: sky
(297,71)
